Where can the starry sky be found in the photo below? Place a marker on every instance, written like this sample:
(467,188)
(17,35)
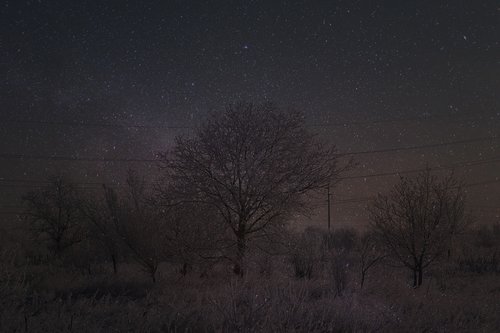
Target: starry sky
(91,88)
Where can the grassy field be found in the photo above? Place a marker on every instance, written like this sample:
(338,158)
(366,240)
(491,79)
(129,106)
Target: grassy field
(269,298)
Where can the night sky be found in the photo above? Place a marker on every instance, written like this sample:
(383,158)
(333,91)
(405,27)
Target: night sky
(88,85)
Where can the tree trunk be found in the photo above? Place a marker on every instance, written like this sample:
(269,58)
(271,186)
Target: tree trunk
(58,248)
(240,255)
(363,273)
(113,260)
(420,273)
(415,278)
(185,269)
(153,274)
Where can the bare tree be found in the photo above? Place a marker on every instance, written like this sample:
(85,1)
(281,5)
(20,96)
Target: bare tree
(305,253)
(370,254)
(54,215)
(418,218)
(138,225)
(254,164)
(193,232)
(100,213)
(339,265)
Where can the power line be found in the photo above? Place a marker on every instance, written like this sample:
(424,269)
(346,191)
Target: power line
(325,124)
(86,124)
(139,160)
(488,182)
(21,183)
(24,183)
(433,145)
(21,213)
(28,181)
(455,118)
(72,158)
(364,199)
(46,184)
(97,185)
(343,201)
(455,165)
(353,200)
(488,206)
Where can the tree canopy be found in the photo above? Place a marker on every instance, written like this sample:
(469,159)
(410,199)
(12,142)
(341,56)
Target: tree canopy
(254,163)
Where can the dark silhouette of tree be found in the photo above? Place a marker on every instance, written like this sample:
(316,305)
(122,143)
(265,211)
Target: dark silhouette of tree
(138,225)
(194,233)
(54,215)
(305,253)
(417,220)
(370,254)
(99,212)
(254,164)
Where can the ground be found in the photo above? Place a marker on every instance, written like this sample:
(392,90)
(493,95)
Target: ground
(52,299)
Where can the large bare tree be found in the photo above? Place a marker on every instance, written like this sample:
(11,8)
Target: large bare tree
(255,164)
(417,220)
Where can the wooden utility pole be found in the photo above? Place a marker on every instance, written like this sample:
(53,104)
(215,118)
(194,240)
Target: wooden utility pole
(329,214)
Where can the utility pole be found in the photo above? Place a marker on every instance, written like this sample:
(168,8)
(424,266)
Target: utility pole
(329,214)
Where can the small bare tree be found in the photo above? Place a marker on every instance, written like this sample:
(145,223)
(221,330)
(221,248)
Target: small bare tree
(102,221)
(339,270)
(370,254)
(254,165)
(418,218)
(305,253)
(138,225)
(54,215)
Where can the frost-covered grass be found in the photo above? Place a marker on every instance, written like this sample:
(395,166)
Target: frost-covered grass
(43,299)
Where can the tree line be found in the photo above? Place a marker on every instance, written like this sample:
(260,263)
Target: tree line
(233,187)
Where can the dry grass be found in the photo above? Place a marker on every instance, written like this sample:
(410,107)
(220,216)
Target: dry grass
(38,299)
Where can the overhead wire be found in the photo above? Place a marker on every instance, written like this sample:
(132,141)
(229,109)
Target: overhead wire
(94,185)
(16,156)
(336,123)
(5,182)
